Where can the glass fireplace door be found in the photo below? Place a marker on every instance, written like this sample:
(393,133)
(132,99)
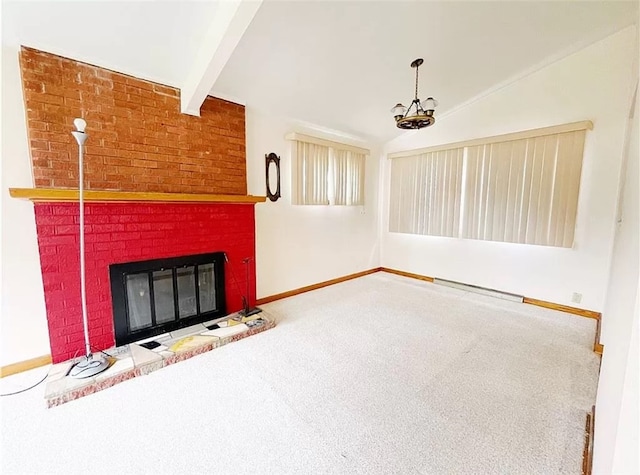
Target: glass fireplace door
(162,295)
(138,301)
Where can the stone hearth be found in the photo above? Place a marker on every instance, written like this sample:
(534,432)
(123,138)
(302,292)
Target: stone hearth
(130,361)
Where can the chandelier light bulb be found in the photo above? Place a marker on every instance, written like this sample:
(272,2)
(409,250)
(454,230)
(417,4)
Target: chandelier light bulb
(80,124)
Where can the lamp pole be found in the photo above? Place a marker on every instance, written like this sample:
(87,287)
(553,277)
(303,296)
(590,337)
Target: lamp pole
(81,137)
(90,365)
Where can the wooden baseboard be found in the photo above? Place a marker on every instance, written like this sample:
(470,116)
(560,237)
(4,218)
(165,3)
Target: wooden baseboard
(540,303)
(25,365)
(407,274)
(597,346)
(308,288)
(587,451)
(563,308)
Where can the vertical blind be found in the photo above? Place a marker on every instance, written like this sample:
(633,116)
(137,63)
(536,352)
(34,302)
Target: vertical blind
(426,193)
(311,168)
(327,175)
(522,190)
(348,178)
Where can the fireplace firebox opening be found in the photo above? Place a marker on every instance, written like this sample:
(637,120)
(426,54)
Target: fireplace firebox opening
(162,295)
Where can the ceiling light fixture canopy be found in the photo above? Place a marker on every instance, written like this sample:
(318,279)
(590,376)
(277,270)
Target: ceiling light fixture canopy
(419,114)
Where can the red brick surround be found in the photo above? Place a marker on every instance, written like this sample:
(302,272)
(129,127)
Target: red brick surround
(138,139)
(117,233)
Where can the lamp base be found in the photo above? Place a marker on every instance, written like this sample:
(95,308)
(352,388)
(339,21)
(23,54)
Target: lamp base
(88,366)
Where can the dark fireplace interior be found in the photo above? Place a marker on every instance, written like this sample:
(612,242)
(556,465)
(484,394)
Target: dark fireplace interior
(161,295)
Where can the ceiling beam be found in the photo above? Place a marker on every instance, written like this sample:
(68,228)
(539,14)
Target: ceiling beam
(232,18)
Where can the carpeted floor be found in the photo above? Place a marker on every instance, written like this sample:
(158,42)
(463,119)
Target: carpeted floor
(377,375)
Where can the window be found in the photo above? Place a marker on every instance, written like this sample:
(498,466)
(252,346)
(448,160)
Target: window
(425,193)
(312,171)
(348,177)
(520,188)
(326,173)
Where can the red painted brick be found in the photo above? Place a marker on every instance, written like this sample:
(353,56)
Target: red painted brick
(163,230)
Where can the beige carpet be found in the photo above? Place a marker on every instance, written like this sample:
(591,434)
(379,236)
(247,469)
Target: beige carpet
(381,374)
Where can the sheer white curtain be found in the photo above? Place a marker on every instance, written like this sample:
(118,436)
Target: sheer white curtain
(524,191)
(426,192)
(310,173)
(348,178)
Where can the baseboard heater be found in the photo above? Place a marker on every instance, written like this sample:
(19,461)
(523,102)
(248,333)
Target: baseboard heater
(480,290)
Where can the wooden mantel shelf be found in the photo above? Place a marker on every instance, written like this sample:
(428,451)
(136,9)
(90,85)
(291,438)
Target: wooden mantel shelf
(55,194)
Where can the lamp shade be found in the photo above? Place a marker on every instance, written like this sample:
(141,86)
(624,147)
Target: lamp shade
(80,124)
(398,109)
(429,104)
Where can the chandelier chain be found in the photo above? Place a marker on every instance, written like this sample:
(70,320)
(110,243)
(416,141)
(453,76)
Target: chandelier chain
(417,68)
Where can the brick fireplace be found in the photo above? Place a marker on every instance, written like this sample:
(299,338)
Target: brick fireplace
(138,142)
(119,233)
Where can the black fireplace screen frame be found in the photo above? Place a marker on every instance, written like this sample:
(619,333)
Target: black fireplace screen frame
(118,275)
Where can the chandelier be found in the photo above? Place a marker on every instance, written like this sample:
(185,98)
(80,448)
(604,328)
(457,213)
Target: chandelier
(419,114)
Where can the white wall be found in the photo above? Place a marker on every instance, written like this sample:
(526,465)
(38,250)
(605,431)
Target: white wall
(23,324)
(594,84)
(616,429)
(625,457)
(303,245)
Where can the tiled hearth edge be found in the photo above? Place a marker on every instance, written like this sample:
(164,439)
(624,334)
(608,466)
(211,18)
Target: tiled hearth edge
(58,372)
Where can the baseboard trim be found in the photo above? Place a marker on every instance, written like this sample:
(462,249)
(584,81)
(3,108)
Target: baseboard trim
(587,451)
(540,303)
(597,316)
(26,365)
(308,288)
(563,308)
(424,278)
(597,347)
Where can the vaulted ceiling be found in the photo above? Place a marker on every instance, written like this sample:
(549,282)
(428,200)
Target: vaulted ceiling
(340,65)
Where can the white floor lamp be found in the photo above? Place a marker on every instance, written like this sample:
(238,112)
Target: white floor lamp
(89,365)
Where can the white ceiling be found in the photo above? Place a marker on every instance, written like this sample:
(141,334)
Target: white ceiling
(340,65)
(344,65)
(154,40)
